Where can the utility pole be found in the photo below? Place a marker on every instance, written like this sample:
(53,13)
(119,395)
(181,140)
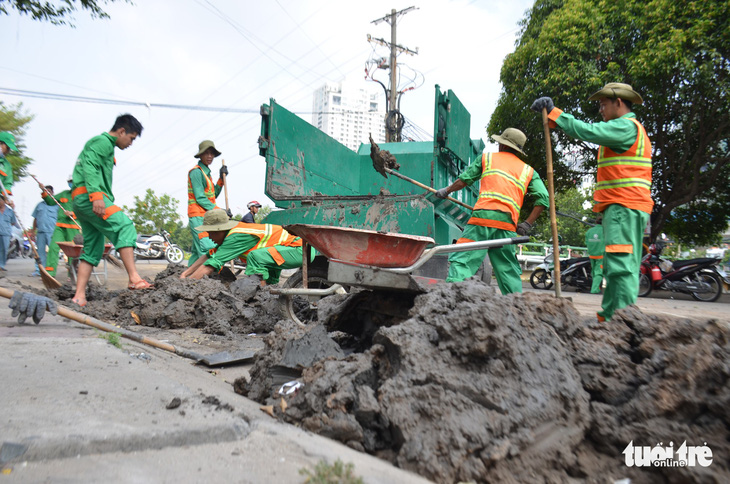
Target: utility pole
(393,117)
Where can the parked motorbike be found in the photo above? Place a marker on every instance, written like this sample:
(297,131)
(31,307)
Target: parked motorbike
(158,246)
(574,272)
(700,278)
(19,245)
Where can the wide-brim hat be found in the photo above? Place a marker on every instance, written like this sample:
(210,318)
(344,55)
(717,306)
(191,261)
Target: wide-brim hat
(614,90)
(204,145)
(512,137)
(216,220)
(9,140)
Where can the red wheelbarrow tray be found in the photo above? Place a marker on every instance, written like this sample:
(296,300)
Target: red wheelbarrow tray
(74,250)
(366,247)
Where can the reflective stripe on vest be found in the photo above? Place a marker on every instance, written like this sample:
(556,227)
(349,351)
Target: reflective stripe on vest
(505,179)
(269,235)
(625,178)
(194,209)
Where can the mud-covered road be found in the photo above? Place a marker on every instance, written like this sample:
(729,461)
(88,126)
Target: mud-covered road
(462,384)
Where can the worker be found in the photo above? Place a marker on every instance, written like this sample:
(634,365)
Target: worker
(93,204)
(265,249)
(66,227)
(44,221)
(7,144)
(253,209)
(596,247)
(623,189)
(201,196)
(504,181)
(7,222)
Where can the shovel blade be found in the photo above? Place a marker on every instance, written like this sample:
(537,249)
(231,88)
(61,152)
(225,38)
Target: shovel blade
(228,358)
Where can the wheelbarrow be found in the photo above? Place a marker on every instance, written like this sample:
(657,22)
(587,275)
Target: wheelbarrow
(362,258)
(73,251)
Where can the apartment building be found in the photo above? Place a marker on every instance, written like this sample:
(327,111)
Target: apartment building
(349,113)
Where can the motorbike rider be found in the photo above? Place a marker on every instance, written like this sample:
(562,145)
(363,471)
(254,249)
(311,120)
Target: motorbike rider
(596,248)
(250,217)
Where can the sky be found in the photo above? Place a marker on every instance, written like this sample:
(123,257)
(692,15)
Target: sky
(234,54)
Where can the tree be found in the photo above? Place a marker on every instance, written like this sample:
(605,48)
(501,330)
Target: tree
(153,213)
(57,15)
(572,232)
(674,53)
(13,119)
(262,213)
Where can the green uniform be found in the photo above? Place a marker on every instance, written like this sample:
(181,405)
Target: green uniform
(596,247)
(65,230)
(198,181)
(622,226)
(507,270)
(259,261)
(92,180)
(6,174)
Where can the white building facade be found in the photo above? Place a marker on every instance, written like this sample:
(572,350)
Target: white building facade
(349,113)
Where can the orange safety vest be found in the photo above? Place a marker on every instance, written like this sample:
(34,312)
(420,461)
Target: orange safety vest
(625,178)
(269,235)
(505,179)
(194,209)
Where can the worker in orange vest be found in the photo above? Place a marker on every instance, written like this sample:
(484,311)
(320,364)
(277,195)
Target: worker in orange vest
(504,180)
(201,197)
(623,188)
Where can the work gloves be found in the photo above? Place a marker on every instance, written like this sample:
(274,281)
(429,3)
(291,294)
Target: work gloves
(542,102)
(442,193)
(223,171)
(229,213)
(25,304)
(524,228)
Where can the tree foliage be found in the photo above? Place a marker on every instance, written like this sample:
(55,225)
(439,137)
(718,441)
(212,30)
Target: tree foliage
(571,231)
(676,54)
(14,120)
(58,13)
(152,214)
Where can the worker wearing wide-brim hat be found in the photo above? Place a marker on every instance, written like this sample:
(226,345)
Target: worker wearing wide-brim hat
(266,249)
(202,193)
(504,180)
(623,188)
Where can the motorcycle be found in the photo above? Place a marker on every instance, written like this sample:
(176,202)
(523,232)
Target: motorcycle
(158,246)
(574,272)
(19,245)
(700,278)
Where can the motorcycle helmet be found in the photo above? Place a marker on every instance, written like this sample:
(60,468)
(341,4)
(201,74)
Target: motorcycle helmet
(253,203)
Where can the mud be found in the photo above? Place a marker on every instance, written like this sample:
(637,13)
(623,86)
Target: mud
(462,384)
(220,306)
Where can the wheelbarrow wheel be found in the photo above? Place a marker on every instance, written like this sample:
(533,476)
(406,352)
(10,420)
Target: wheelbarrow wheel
(303,309)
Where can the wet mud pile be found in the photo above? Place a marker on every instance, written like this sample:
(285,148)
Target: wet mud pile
(462,384)
(220,306)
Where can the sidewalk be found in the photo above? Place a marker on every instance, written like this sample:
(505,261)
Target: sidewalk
(75,408)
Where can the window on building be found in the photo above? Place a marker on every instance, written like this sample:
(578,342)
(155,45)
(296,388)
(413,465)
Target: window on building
(336,100)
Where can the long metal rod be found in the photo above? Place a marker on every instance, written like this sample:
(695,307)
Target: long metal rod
(444,249)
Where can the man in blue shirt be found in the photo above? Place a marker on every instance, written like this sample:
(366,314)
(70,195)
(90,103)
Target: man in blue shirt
(7,221)
(44,223)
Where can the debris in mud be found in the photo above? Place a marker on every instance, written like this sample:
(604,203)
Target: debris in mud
(214,305)
(174,403)
(214,401)
(474,386)
(382,159)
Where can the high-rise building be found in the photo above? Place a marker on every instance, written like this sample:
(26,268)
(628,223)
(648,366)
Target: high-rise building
(349,113)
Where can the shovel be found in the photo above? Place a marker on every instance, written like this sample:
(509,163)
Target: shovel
(225,192)
(384,163)
(215,359)
(115,262)
(48,280)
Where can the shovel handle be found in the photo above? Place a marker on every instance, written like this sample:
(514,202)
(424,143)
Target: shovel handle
(426,187)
